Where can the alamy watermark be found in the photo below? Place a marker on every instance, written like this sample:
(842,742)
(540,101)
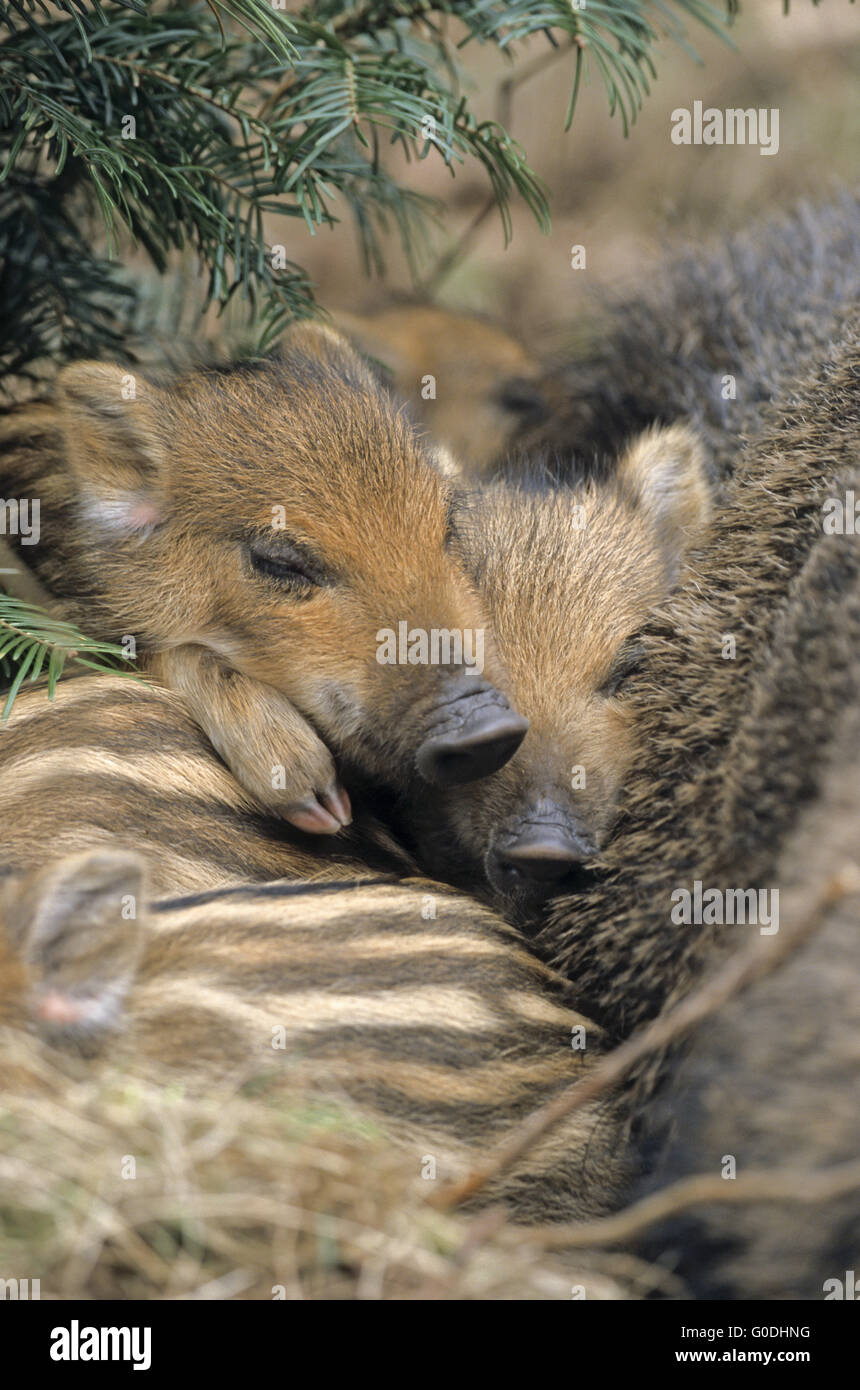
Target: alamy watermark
(756,907)
(840,516)
(77,1343)
(23,1289)
(734,126)
(440,646)
(847,1288)
(20,516)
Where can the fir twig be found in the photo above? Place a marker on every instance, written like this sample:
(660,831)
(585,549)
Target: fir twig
(30,638)
(180,126)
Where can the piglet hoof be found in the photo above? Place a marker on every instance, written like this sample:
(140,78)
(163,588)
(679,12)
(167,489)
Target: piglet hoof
(326,814)
(336,800)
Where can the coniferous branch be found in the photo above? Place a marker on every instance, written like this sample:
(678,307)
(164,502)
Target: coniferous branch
(180,126)
(33,642)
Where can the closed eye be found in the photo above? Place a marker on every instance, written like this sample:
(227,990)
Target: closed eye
(287,565)
(629,662)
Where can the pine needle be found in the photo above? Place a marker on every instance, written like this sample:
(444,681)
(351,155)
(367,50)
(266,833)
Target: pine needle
(30,637)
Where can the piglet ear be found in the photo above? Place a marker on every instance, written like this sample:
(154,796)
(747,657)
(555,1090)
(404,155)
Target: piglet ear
(663,472)
(81,945)
(110,426)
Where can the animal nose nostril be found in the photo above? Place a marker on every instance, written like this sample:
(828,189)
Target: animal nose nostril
(479,746)
(544,854)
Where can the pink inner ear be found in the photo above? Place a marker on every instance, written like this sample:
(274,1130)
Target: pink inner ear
(54,1007)
(141,515)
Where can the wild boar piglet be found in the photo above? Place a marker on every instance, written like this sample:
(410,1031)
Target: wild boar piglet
(259,530)
(568,576)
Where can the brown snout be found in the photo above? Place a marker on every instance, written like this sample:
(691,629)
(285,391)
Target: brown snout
(472,734)
(546,853)
(534,858)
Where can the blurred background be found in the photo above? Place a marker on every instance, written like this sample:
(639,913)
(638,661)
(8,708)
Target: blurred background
(621,198)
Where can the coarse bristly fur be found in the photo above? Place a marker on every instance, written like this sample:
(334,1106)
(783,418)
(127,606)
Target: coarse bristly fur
(772,1081)
(253,529)
(568,576)
(748,699)
(721,330)
(693,693)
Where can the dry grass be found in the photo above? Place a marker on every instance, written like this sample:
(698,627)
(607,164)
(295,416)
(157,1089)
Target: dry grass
(239,1195)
